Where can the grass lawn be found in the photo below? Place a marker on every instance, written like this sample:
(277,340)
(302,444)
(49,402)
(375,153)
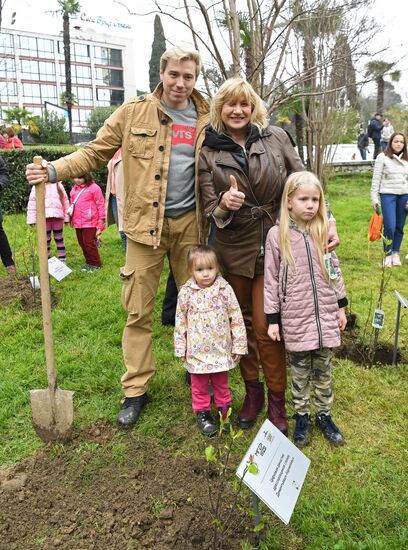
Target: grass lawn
(353,497)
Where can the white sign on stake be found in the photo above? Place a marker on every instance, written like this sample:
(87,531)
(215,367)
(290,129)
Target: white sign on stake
(58,269)
(281,470)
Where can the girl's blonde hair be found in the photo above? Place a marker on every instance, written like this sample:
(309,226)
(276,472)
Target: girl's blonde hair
(318,226)
(202,255)
(234,89)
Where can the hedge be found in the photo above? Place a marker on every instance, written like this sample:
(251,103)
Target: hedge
(15,197)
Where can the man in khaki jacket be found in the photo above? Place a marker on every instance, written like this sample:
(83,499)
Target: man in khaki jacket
(160,135)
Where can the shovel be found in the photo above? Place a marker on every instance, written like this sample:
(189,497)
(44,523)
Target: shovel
(52,409)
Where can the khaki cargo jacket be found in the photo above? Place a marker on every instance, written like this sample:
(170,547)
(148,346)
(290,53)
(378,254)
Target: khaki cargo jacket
(142,127)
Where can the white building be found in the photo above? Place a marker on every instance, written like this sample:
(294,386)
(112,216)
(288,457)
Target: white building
(32,70)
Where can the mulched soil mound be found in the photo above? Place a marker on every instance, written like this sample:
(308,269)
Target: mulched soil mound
(14,288)
(73,498)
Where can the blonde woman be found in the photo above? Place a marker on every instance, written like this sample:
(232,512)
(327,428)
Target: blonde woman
(243,167)
(305,301)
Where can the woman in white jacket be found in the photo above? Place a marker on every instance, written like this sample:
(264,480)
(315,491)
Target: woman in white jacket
(390,186)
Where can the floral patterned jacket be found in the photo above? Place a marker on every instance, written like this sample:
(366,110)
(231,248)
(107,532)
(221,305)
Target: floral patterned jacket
(209,327)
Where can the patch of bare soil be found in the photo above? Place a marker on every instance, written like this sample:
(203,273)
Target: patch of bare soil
(15,288)
(353,349)
(70,499)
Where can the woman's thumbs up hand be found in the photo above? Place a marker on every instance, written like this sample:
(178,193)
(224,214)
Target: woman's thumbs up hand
(232,199)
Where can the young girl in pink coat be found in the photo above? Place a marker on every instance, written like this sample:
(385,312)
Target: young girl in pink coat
(305,300)
(209,335)
(56,207)
(88,218)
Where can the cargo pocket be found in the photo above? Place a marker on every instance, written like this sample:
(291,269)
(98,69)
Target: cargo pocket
(127,276)
(142,142)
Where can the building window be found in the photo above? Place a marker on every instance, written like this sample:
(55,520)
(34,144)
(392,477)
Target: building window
(109,97)
(80,74)
(83,95)
(8,92)
(48,93)
(108,56)
(28,46)
(37,70)
(45,48)
(80,116)
(31,93)
(7,67)
(7,43)
(109,77)
(79,52)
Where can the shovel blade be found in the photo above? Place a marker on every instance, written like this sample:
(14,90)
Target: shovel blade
(53,414)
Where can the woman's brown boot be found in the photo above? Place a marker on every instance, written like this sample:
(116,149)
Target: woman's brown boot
(253,403)
(277,411)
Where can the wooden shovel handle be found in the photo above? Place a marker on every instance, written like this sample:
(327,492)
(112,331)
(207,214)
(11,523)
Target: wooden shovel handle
(45,282)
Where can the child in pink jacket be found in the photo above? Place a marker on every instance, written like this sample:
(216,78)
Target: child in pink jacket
(305,301)
(56,206)
(88,218)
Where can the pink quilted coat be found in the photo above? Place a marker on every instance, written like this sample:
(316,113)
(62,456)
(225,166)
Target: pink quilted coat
(303,299)
(54,208)
(89,210)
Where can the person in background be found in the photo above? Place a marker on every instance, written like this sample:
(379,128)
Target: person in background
(114,195)
(389,187)
(12,141)
(362,143)
(305,301)
(386,133)
(161,135)
(374,130)
(5,250)
(2,142)
(56,213)
(209,335)
(88,218)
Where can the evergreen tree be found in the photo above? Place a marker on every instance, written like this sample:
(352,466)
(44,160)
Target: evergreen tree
(158,49)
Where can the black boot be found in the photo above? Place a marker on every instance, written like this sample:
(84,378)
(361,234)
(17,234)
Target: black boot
(329,429)
(205,423)
(301,435)
(130,410)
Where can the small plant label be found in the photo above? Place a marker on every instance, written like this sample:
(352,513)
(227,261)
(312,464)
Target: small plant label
(274,469)
(378,319)
(58,269)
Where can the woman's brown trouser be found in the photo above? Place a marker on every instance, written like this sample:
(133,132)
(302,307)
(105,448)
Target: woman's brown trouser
(261,349)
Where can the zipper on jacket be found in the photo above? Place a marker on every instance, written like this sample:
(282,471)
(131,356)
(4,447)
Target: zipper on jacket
(284,283)
(315,297)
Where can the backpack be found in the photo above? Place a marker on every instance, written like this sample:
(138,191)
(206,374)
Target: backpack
(370,130)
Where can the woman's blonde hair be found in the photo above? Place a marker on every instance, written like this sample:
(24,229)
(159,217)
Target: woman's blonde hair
(233,89)
(180,53)
(202,255)
(317,227)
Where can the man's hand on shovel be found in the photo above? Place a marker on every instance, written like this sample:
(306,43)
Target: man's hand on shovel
(37,173)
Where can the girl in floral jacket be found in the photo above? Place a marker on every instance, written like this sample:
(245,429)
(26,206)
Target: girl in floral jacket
(209,335)
(88,218)
(56,213)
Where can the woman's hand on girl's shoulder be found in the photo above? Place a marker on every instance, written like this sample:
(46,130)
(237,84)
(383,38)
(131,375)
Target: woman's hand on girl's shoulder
(273,332)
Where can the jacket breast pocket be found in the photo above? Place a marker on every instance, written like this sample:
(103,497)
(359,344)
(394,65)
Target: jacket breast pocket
(142,142)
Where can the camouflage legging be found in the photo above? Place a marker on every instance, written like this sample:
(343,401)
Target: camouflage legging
(312,367)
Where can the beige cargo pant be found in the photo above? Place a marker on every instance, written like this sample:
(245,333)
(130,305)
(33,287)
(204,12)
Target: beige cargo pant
(141,277)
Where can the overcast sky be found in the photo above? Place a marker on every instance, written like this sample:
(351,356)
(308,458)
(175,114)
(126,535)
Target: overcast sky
(392,15)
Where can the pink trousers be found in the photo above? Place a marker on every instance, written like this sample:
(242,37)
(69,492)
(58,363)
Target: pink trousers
(201,396)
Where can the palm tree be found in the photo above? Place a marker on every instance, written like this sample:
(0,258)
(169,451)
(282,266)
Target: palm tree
(68,8)
(379,70)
